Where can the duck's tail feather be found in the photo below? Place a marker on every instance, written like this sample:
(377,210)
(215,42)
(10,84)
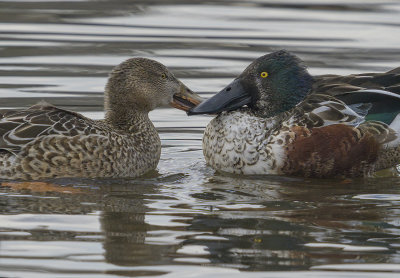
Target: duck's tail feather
(388,137)
(388,157)
(395,126)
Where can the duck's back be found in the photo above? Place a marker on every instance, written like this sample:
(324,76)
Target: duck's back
(337,84)
(44,141)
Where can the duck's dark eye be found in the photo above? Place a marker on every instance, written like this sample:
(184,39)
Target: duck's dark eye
(163,76)
(264,74)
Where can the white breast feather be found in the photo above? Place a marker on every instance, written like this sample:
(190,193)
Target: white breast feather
(237,142)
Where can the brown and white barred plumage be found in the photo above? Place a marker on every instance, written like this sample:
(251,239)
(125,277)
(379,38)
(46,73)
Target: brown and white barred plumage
(44,141)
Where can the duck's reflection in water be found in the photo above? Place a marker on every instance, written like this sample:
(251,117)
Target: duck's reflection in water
(271,223)
(119,204)
(123,222)
(277,223)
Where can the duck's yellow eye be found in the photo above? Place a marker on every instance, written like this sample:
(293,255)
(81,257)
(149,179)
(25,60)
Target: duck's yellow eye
(264,74)
(163,76)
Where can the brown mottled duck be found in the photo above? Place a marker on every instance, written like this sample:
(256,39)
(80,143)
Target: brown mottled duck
(44,141)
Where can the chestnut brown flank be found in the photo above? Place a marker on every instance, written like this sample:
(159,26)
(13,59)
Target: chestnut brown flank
(334,150)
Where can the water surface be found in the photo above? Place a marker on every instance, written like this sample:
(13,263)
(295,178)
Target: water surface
(184,219)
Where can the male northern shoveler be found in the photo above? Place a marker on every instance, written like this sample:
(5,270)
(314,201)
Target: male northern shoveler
(44,141)
(296,124)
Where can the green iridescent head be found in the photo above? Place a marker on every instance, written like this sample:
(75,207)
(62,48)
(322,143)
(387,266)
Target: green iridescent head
(272,84)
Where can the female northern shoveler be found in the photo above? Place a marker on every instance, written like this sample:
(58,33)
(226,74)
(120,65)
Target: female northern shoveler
(296,124)
(44,141)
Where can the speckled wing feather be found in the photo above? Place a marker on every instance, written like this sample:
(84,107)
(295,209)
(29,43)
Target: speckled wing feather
(324,110)
(321,110)
(375,96)
(20,127)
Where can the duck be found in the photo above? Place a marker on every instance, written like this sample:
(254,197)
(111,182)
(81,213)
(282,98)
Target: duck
(44,141)
(277,119)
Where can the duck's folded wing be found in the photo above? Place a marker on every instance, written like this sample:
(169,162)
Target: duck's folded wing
(324,110)
(319,110)
(378,92)
(384,105)
(20,127)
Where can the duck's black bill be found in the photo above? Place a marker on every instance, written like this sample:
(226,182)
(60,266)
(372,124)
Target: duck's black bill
(230,98)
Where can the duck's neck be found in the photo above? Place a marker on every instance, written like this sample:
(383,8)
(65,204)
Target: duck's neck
(128,119)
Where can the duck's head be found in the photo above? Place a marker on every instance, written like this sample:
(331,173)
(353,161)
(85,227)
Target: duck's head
(144,84)
(271,84)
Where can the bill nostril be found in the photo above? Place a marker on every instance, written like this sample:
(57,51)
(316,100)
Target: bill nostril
(228,89)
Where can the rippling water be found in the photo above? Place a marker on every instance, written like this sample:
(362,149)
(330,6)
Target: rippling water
(184,219)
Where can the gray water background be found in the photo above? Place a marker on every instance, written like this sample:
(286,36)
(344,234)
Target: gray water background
(185,220)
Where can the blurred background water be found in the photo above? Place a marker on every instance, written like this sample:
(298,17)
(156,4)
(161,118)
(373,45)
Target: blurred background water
(185,220)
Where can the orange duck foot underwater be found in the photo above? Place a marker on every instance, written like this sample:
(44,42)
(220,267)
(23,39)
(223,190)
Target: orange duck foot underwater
(44,141)
(297,124)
